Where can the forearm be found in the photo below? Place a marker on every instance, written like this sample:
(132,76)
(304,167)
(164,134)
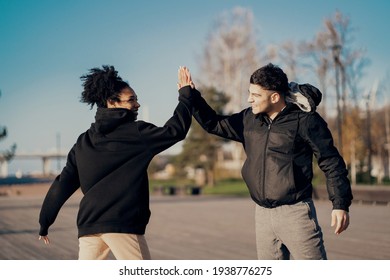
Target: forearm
(339,188)
(229,127)
(57,195)
(174,130)
(337,182)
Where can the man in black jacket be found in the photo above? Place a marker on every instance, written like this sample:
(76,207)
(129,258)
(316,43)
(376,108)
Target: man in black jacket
(109,162)
(279,140)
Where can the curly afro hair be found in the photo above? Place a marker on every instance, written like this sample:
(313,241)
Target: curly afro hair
(101,85)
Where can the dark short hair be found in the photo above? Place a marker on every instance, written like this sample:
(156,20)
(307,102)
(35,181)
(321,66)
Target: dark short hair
(270,77)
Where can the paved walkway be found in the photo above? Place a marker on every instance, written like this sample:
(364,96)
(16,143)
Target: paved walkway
(190,228)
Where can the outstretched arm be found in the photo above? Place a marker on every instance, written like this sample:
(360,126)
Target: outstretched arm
(158,139)
(61,189)
(229,127)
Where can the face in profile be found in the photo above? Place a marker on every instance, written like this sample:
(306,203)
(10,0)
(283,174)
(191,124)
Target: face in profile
(127,100)
(260,99)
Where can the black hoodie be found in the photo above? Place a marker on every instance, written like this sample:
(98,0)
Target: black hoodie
(109,163)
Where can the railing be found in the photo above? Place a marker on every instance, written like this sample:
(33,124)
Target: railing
(46,161)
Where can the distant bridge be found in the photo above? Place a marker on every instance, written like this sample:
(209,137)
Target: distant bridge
(45,157)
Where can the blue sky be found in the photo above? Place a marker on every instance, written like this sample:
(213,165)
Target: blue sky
(45,46)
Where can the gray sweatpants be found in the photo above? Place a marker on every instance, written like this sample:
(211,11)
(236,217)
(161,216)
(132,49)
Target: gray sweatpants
(289,231)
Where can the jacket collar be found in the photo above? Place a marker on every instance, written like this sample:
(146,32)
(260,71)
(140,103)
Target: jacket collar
(290,107)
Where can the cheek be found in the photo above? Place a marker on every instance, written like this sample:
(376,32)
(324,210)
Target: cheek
(132,105)
(263,101)
(258,102)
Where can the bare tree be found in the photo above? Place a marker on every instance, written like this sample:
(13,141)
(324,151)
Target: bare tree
(337,63)
(319,63)
(380,120)
(200,149)
(287,54)
(230,56)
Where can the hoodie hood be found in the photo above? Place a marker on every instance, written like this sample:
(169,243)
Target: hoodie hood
(305,96)
(108,119)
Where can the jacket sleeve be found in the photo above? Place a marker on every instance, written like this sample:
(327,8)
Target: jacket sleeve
(158,139)
(330,161)
(61,189)
(229,127)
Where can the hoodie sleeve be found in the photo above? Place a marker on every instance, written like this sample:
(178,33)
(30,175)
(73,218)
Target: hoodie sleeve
(61,189)
(174,130)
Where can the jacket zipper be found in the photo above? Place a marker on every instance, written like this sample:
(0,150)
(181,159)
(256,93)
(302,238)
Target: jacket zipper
(262,189)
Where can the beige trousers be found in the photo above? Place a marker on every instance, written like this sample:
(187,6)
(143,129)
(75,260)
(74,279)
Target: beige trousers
(123,246)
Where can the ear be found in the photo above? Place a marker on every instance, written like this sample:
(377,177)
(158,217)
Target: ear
(275,97)
(111,103)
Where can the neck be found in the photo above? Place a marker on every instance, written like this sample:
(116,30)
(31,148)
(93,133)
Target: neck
(272,115)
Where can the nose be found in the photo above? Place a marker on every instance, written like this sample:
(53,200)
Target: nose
(250,98)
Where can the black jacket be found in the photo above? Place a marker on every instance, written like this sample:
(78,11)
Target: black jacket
(278,167)
(109,162)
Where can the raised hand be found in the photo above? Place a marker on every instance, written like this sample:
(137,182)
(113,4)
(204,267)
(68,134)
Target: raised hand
(184,77)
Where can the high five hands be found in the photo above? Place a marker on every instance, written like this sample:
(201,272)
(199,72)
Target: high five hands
(184,78)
